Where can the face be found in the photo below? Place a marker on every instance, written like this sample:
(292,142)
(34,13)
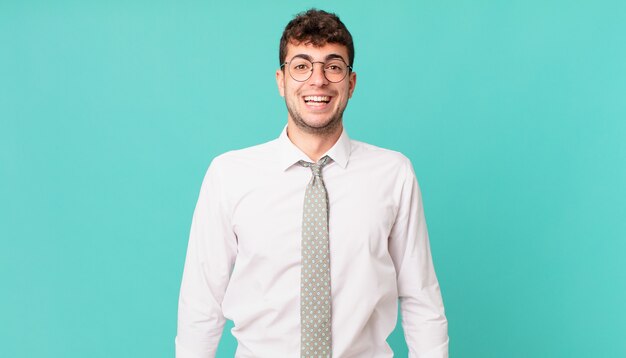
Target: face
(316,105)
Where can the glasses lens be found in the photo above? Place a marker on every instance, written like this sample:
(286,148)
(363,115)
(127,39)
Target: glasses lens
(335,70)
(300,69)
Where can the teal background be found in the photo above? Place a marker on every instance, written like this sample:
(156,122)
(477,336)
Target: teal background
(513,113)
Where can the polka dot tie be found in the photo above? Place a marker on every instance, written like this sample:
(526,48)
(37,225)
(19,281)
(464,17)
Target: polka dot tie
(315,276)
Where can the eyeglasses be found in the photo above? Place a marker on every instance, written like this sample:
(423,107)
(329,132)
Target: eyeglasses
(301,69)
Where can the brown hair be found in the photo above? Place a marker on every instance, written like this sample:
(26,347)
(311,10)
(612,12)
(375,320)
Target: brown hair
(318,28)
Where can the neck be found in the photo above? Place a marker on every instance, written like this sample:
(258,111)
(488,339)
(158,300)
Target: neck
(313,145)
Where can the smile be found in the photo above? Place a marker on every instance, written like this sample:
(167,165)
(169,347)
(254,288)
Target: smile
(317,99)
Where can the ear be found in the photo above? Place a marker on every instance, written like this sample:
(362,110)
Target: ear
(352,83)
(280,82)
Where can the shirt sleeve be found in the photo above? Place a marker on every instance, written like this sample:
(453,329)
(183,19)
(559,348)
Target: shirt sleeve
(423,317)
(210,257)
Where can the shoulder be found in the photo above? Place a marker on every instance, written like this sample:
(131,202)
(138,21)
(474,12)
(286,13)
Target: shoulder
(381,162)
(238,168)
(249,157)
(361,151)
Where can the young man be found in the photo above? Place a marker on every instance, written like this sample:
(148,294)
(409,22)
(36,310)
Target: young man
(307,242)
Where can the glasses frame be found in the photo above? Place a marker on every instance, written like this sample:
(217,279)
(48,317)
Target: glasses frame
(284,64)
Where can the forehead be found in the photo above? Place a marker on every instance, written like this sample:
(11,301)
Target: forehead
(316,52)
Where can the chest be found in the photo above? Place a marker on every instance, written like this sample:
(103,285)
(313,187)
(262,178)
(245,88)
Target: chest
(267,214)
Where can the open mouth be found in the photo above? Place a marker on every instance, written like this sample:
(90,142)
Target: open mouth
(317,100)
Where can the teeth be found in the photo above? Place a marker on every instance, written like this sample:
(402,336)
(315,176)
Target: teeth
(317,98)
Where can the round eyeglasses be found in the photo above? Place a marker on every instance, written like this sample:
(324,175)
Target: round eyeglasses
(301,69)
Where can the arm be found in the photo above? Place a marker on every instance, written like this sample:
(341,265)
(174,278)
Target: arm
(210,256)
(423,318)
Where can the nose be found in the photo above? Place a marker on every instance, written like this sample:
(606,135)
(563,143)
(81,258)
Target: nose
(318,77)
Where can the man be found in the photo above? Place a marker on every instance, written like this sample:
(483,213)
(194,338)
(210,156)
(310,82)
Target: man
(307,242)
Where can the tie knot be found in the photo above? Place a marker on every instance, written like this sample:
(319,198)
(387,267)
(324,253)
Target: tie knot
(316,168)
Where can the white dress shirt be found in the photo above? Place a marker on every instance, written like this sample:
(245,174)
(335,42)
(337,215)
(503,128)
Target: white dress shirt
(243,258)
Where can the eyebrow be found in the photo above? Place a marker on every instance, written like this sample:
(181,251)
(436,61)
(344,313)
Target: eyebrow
(328,57)
(334,56)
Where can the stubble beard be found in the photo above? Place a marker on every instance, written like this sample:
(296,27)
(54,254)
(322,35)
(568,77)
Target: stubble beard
(330,127)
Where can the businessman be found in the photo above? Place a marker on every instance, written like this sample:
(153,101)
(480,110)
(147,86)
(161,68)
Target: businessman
(309,242)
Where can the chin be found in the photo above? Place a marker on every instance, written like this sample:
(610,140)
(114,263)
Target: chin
(316,124)
(318,127)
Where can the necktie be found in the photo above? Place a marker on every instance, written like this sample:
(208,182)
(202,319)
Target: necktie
(315,277)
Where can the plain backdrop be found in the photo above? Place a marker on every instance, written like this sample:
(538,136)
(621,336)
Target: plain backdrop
(512,112)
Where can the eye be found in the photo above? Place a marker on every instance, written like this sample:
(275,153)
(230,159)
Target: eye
(334,67)
(300,66)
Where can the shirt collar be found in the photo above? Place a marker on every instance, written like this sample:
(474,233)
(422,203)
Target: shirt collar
(290,154)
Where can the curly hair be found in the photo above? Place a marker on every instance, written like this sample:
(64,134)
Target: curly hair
(318,28)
